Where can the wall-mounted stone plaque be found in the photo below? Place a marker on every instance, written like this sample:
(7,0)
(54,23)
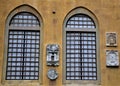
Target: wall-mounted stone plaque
(52,55)
(112,58)
(52,74)
(111,39)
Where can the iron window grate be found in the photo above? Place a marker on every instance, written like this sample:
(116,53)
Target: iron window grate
(81,61)
(23,55)
(25,19)
(80,21)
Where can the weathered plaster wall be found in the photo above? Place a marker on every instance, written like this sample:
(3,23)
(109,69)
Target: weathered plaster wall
(107,13)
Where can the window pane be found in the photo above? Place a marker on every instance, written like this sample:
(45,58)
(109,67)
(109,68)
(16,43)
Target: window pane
(81,56)
(25,19)
(23,55)
(80,21)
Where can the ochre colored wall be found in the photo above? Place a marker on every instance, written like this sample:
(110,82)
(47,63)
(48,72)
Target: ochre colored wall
(107,13)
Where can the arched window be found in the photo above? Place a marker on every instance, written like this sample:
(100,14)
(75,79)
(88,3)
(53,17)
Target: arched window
(81,46)
(80,21)
(23,46)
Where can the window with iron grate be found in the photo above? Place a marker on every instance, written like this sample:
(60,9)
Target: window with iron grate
(23,47)
(81,60)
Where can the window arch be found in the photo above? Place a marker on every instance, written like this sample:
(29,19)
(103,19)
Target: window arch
(80,21)
(81,46)
(22,50)
(24,19)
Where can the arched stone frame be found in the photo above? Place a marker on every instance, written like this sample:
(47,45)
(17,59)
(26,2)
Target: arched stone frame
(81,10)
(22,9)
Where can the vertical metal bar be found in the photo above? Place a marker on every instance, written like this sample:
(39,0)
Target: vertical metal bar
(23,57)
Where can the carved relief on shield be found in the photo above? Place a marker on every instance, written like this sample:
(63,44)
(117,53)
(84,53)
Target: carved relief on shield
(52,55)
(111,39)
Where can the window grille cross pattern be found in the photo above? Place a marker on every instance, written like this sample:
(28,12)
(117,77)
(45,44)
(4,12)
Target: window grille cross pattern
(80,21)
(81,56)
(25,19)
(23,55)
